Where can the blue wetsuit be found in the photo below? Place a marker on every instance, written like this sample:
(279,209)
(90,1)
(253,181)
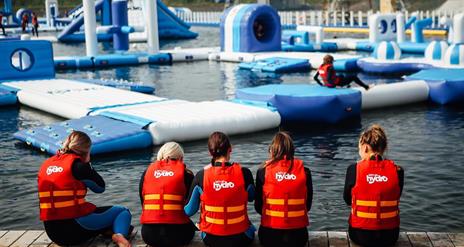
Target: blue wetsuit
(110,219)
(193,205)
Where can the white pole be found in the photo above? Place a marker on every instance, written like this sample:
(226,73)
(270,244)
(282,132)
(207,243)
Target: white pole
(152,25)
(47,13)
(90,24)
(343,17)
(327,18)
(360,18)
(400,32)
(351,18)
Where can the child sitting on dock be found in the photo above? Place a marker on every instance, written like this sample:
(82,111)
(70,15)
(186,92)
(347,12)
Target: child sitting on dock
(63,181)
(283,180)
(163,190)
(373,188)
(223,189)
(330,77)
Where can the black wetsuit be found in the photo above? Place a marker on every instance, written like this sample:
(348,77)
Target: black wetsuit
(70,232)
(345,80)
(225,241)
(370,237)
(278,237)
(168,234)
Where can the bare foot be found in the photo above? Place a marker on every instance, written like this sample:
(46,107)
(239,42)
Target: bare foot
(120,240)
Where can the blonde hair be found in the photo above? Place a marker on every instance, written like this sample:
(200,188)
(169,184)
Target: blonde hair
(77,142)
(170,150)
(375,137)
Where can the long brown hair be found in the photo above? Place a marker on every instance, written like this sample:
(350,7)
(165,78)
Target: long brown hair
(281,148)
(218,145)
(328,59)
(375,137)
(77,142)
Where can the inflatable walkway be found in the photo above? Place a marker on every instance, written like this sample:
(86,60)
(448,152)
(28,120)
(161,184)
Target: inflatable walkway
(169,26)
(134,116)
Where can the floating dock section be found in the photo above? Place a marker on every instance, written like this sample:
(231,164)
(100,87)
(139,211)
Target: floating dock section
(93,107)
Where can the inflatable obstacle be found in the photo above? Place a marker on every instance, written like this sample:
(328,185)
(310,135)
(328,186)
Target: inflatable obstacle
(446,85)
(250,28)
(107,135)
(300,103)
(164,120)
(169,25)
(33,60)
(278,65)
(307,103)
(387,59)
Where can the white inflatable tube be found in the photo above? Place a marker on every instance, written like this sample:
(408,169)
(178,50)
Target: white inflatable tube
(90,24)
(152,26)
(316,30)
(232,57)
(458,25)
(394,94)
(400,30)
(178,120)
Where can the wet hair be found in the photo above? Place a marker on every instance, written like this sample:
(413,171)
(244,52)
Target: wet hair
(218,145)
(281,148)
(170,150)
(77,142)
(328,59)
(375,137)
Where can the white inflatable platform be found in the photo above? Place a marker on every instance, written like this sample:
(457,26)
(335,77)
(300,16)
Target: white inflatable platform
(167,120)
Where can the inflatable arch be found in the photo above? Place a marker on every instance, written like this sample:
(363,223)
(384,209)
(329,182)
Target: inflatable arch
(250,28)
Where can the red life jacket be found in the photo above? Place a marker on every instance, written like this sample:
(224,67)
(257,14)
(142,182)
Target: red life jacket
(224,201)
(323,70)
(164,193)
(284,196)
(61,196)
(375,196)
(34,20)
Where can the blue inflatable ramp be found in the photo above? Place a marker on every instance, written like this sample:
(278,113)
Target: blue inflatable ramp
(300,103)
(278,65)
(107,134)
(446,85)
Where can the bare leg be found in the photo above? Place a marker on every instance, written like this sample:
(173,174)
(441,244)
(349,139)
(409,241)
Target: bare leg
(120,240)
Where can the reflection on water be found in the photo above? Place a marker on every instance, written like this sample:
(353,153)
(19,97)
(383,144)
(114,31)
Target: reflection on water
(425,139)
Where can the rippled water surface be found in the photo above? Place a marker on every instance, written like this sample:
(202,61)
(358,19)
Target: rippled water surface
(427,140)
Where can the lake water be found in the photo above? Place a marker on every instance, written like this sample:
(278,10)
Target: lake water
(425,139)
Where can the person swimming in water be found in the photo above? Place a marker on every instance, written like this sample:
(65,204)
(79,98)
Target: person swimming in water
(331,79)
(63,181)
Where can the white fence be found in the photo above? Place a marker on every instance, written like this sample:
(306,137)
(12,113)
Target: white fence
(319,18)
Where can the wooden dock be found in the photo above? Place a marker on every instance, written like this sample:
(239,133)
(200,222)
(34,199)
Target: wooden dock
(39,238)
